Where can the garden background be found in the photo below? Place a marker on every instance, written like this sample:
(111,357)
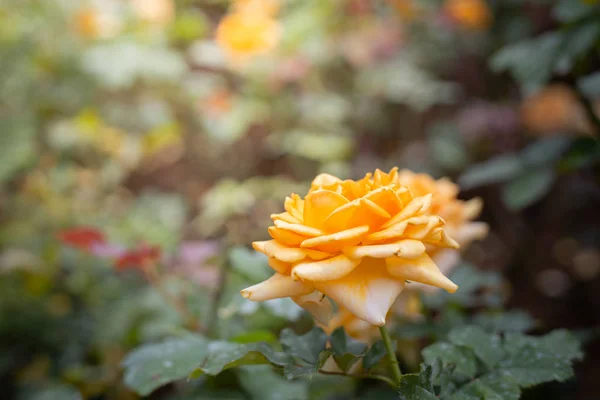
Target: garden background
(167,131)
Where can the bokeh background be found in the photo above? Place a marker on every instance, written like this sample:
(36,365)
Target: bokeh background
(171,129)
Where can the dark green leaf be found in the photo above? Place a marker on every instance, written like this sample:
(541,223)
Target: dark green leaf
(375,353)
(498,169)
(528,188)
(545,151)
(569,11)
(493,386)
(346,351)
(488,348)
(577,43)
(255,336)
(303,369)
(583,153)
(307,347)
(590,85)
(462,358)
(153,365)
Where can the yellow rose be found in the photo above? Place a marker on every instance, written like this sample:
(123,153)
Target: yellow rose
(356,242)
(158,12)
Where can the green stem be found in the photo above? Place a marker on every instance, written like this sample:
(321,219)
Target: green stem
(391,354)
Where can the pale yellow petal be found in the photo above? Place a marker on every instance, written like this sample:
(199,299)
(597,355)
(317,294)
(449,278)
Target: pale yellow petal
(325,270)
(317,304)
(295,206)
(397,230)
(421,269)
(368,292)
(336,241)
(407,248)
(286,216)
(260,246)
(318,205)
(298,229)
(472,208)
(276,287)
(324,180)
(470,232)
(273,248)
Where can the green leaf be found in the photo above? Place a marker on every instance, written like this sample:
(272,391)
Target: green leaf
(306,370)
(346,351)
(463,359)
(569,11)
(225,355)
(488,348)
(590,85)
(545,151)
(498,169)
(307,347)
(153,365)
(583,153)
(493,386)
(250,264)
(410,389)
(375,353)
(50,392)
(447,148)
(261,382)
(255,336)
(578,42)
(531,61)
(528,188)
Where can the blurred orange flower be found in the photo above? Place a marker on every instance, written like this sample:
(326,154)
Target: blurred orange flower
(138,258)
(247,31)
(555,109)
(473,14)
(93,23)
(356,242)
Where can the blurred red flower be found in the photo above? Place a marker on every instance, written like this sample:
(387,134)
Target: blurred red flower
(138,258)
(82,238)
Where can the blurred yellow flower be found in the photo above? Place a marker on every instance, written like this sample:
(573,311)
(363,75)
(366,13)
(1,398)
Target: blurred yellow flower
(474,14)
(265,7)
(356,242)
(94,23)
(159,12)
(247,32)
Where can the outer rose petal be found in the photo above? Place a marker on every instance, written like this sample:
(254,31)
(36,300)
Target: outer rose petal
(368,292)
(317,304)
(471,231)
(276,287)
(274,249)
(472,208)
(285,216)
(326,270)
(397,231)
(336,241)
(415,206)
(286,237)
(421,269)
(446,260)
(324,180)
(298,229)
(405,248)
(279,266)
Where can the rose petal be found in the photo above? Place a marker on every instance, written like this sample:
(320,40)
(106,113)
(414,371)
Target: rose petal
(398,230)
(298,228)
(324,180)
(386,198)
(279,266)
(319,205)
(336,241)
(472,208)
(286,237)
(286,216)
(368,292)
(405,248)
(295,206)
(276,287)
(422,270)
(317,304)
(316,254)
(415,206)
(470,232)
(326,270)
(273,248)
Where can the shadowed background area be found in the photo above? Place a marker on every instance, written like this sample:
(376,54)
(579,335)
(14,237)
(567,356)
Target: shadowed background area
(145,143)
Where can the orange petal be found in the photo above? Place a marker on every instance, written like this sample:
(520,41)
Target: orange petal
(298,229)
(325,270)
(398,230)
(283,253)
(336,241)
(276,287)
(286,237)
(421,269)
(422,230)
(295,206)
(375,208)
(405,248)
(318,205)
(279,266)
(260,246)
(386,198)
(368,292)
(472,208)
(286,216)
(316,254)
(416,206)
